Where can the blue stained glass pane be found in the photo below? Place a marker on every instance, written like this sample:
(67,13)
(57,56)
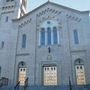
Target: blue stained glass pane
(2,44)
(55,35)
(48,22)
(24,41)
(7,19)
(49,36)
(42,36)
(76,40)
(0,71)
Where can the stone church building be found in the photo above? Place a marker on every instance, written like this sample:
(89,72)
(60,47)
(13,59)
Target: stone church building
(50,45)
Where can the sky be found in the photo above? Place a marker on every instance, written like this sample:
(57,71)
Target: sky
(82,5)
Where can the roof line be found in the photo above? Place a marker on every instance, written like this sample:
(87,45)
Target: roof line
(54,4)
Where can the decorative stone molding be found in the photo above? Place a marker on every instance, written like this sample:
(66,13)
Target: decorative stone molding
(48,10)
(23,54)
(8,5)
(25,23)
(73,17)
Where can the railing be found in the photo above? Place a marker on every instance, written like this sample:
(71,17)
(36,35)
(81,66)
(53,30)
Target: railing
(26,83)
(80,87)
(3,81)
(70,85)
(17,86)
(61,87)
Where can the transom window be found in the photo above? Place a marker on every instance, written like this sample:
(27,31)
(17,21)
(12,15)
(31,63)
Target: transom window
(50,75)
(49,33)
(80,73)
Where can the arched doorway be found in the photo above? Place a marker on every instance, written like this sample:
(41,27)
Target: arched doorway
(22,73)
(49,75)
(80,72)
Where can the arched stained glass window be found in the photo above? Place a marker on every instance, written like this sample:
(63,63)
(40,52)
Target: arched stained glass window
(24,41)
(0,71)
(49,36)
(76,39)
(55,38)
(42,36)
(6,18)
(2,44)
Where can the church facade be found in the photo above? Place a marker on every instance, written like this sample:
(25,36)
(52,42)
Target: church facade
(48,45)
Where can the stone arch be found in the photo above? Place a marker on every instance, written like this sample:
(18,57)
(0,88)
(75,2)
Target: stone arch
(80,72)
(22,64)
(79,61)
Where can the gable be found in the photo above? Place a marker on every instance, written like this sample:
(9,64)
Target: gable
(55,5)
(50,7)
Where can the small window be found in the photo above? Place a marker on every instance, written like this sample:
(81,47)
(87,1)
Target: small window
(45,69)
(23,41)
(24,69)
(77,67)
(80,67)
(42,36)
(48,22)
(51,68)
(0,72)
(2,44)
(7,19)
(54,68)
(49,36)
(55,38)
(76,40)
(4,81)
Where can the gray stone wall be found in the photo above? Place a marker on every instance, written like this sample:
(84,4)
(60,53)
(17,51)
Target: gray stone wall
(35,56)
